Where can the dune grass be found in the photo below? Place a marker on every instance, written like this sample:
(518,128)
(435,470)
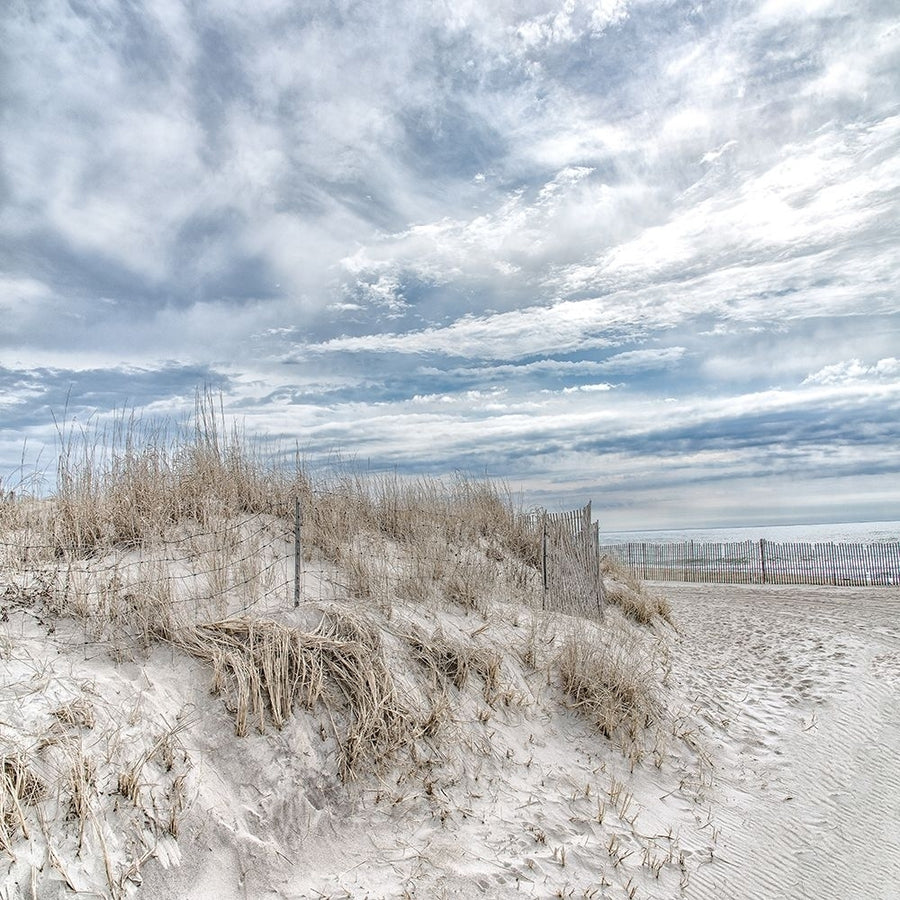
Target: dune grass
(625,590)
(20,788)
(415,594)
(607,677)
(268,668)
(129,492)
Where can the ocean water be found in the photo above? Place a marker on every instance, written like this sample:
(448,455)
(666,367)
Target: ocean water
(848,532)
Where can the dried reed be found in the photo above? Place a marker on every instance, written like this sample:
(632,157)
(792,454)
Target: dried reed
(605,676)
(19,787)
(631,595)
(267,668)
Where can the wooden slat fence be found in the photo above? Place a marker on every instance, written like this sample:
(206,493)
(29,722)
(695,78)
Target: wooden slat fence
(763,562)
(570,561)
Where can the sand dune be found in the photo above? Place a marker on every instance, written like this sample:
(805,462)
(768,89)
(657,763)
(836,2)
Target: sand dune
(773,770)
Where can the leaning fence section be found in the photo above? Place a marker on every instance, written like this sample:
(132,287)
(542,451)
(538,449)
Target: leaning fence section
(762,562)
(570,561)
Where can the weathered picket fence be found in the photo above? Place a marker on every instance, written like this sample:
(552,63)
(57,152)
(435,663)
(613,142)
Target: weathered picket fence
(570,561)
(762,562)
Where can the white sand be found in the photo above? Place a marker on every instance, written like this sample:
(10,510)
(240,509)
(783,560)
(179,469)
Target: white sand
(778,777)
(800,690)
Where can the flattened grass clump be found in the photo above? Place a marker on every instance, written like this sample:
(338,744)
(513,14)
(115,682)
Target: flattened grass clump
(77,713)
(445,662)
(449,662)
(266,667)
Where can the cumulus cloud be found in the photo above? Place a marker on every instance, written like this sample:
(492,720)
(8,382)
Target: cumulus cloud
(588,388)
(851,371)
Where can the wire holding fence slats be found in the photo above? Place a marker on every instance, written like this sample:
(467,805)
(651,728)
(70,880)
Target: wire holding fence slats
(245,564)
(763,562)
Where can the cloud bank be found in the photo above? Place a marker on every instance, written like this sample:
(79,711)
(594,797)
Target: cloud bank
(646,252)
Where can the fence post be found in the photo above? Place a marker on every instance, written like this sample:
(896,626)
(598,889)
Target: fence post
(298,549)
(762,558)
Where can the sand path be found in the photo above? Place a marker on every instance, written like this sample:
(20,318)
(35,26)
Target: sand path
(799,692)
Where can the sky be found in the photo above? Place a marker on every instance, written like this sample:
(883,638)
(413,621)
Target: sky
(643,252)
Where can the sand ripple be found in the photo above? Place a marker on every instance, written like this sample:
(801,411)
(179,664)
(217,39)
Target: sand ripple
(800,686)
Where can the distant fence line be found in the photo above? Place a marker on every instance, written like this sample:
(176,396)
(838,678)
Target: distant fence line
(762,562)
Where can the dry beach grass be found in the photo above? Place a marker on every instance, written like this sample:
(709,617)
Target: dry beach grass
(161,570)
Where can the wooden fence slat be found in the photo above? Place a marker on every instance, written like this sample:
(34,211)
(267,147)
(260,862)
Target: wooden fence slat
(895,563)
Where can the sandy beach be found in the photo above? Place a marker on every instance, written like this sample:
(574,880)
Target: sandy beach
(798,689)
(414,417)
(790,696)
